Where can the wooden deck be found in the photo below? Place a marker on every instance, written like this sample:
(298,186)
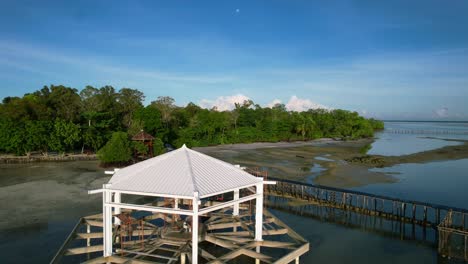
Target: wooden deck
(159,238)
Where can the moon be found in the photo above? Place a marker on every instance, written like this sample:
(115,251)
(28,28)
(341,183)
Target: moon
(237,10)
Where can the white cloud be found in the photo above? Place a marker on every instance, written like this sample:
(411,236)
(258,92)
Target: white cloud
(300,105)
(224,103)
(274,102)
(441,112)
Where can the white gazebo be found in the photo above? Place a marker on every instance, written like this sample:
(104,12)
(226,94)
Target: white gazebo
(181,175)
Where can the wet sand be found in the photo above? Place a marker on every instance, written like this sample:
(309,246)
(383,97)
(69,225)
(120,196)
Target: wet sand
(320,162)
(35,194)
(327,162)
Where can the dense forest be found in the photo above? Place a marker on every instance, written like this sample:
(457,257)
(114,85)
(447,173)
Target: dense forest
(62,119)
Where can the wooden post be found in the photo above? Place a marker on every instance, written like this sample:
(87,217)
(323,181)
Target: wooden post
(403,210)
(107,221)
(182,258)
(257,249)
(463,222)
(414,212)
(195,229)
(259,213)
(117,199)
(297,260)
(236,205)
(466,254)
(440,242)
(425,214)
(88,240)
(437,216)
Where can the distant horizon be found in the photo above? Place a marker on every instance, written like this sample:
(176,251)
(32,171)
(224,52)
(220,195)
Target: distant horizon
(297,105)
(388,60)
(426,121)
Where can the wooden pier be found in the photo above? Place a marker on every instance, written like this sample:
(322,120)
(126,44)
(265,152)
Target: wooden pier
(448,224)
(426,132)
(161,238)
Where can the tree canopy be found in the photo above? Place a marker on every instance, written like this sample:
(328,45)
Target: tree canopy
(63,119)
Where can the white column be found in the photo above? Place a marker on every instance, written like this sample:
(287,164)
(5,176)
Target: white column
(88,240)
(195,229)
(107,221)
(257,261)
(176,203)
(236,205)
(259,212)
(117,210)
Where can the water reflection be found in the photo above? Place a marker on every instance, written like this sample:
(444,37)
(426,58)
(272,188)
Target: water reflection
(441,182)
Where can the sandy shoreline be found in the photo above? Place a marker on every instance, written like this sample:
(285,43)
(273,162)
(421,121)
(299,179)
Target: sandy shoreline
(11,159)
(318,161)
(282,144)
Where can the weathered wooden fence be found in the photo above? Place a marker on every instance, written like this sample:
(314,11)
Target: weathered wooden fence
(426,132)
(453,236)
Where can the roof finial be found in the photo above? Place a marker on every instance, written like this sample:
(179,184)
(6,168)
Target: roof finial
(183,146)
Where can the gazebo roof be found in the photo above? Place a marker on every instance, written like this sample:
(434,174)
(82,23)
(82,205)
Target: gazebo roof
(143,136)
(181,173)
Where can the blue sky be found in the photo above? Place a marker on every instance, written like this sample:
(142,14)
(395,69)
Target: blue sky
(386,59)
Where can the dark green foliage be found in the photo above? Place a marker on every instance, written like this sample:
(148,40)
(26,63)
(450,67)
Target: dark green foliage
(64,135)
(140,147)
(117,150)
(158,147)
(59,118)
(376,124)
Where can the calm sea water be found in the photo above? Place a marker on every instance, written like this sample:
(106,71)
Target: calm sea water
(441,182)
(427,136)
(54,196)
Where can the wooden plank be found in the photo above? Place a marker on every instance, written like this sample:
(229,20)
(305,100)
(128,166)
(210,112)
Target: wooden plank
(146,254)
(293,255)
(256,255)
(94,217)
(99,260)
(83,250)
(123,260)
(234,238)
(220,242)
(93,223)
(89,235)
(276,244)
(206,255)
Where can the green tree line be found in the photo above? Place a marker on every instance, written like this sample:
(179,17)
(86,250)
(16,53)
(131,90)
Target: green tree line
(64,119)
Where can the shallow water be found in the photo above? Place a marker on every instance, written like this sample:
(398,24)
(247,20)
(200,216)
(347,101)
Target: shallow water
(431,137)
(40,205)
(443,182)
